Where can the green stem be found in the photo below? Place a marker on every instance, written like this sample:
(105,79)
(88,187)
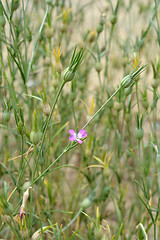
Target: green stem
(36,43)
(102,107)
(67,149)
(49,118)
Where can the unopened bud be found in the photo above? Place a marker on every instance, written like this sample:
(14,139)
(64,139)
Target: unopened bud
(46,109)
(68,75)
(86,203)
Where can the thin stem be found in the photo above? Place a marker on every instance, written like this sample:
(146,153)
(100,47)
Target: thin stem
(36,43)
(101,108)
(49,118)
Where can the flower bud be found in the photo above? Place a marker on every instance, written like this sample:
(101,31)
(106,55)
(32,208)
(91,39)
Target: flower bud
(155,83)
(49,32)
(6,116)
(99,28)
(46,109)
(20,128)
(113,19)
(35,137)
(139,133)
(126,81)
(68,75)
(98,67)
(86,203)
(2,21)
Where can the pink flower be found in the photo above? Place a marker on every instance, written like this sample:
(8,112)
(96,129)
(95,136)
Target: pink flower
(22,212)
(77,136)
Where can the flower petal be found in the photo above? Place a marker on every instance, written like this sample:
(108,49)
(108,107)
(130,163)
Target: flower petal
(72,138)
(72,132)
(79,141)
(82,134)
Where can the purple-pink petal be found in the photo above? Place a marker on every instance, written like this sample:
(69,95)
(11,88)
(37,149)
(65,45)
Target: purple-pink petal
(72,138)
(82,134)
(72,132)
(79,141)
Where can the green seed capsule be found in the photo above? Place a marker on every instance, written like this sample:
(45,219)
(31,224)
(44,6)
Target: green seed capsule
(6,116)
(113,19)
(99,28)
(155,83)
(68,75)
(2,21)
(98,67)
(139,133)
(86,203)
(35,137)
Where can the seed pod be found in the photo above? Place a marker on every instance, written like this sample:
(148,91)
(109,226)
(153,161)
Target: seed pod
(139,133)
(98,67)
(155,83)
(113,19)
(46,109)
(145,104)
(20,128)
(6,116)
(91,36)
(118,106)
(86,203)
(99,28)
(128,117)
(49,32)
(2,21)
(35,137)
(68,75)
(59,68)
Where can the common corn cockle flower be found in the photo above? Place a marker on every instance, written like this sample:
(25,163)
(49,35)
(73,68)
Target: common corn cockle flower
(22,212)
(77,136)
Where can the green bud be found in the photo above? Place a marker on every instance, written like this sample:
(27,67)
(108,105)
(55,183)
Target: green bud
(68,75)
(49,2)
(113,19)
(86,203)
(46,109)
(98,66)
(6,116)
(35,137)
(15,5)
(49,32)
(99,28)
(155,83)
(139,133)
(128,117)
(126,81)
(2,21)
(20,128)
